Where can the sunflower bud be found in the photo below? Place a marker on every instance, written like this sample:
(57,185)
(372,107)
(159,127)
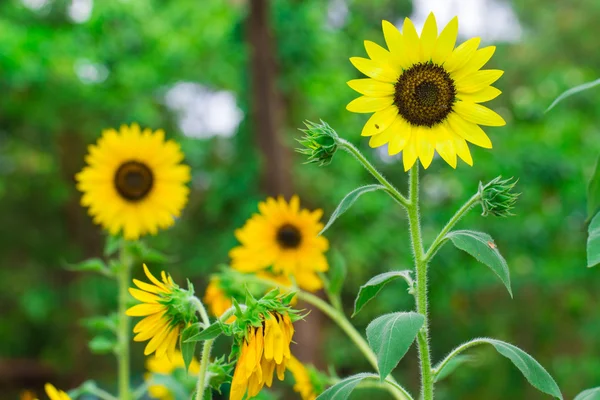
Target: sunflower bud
(319,143)
(497,197)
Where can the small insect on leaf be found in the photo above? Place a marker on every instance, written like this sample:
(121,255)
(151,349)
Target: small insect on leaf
(492,245)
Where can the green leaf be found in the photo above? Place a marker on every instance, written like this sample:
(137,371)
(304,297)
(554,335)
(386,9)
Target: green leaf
(343,389)
(347,202)
(531,369)
(146,254)
(593,242)
(452,365)
(337,273)
(390,337)
(593,194)
(481,246)
(113,243)
(573,91)
(102,345)
(370,289)
(101,323)
(590,394)
(188,348)
(211,332)
(90,265)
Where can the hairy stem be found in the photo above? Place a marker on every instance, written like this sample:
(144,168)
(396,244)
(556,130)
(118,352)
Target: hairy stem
(202,381)
(123,328)
(456,352)
(421,284)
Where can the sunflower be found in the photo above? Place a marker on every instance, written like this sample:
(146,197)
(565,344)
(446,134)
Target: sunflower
(285,239)
(303,384)
(134,181)
(55,394)
(217,301)
(425,93)
(166,366)
(162,323)
(265,348)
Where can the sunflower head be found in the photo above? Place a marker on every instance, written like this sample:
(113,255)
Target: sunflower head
(55,394)
(284,240)
(134,181)
(425,94)
(319,143)
(166,366)
(497,197)
(167,310)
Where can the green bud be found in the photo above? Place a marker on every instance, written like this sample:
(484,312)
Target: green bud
(319,143)
(497,197)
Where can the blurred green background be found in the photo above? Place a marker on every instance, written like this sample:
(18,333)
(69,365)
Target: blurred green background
(232,80)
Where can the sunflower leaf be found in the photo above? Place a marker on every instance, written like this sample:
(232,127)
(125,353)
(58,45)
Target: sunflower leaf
(572,91)
(90,265)
(452,365)
(102,345)
(113,243)
(374,285)
(593,194)
(337,273)
(590,394)
(348,201)
(593,242)
(211,332)
(481,246)
(343,389)
(188,348)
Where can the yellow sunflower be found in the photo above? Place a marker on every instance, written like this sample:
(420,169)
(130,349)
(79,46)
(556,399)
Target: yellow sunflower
(263,351)
(303,384)
(425,93)
(216,300)
(166,366)
(285,239)
(55,394)
(134,181)
(161,325)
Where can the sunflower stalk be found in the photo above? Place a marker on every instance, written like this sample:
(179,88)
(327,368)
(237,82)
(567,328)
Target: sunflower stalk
(123,327)
(206,349)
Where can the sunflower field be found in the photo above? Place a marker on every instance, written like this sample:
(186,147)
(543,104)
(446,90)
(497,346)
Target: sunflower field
(299,199)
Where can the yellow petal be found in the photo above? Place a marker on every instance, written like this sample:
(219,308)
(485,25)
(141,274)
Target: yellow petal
(412,43)
(478,80)
(375,70)
(268,368)
(380,121)
(469,131)
(148,322)
(445,43)
(142,296)
(486,94)
(239,384)
(157,340)
(366,104)
(409,155)
(444,145)
(382,56)
(479,59)
(148,288)
(425,145)
(478,114)
(371,87)
(395,42)
(401,132)
(141,310)
(153,279)
(428,37)
(462,149)
(462,54)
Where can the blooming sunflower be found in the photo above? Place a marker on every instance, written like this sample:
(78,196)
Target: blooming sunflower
(166,366)
(55,394)
(264,349)
(425,93)
(303,384)
(284,238)
(163,322)
(134,181)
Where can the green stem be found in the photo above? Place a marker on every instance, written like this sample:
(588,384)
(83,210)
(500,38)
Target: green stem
(421,283)
(441,237)
(123,328)
(206,348)
(456,352)
(349,147)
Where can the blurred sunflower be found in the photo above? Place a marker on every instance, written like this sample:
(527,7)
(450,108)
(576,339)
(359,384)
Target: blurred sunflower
(286,239)
(303,384)
(217,300)
(55,394)
(425,93)
(134,181)
(164,317)
(264,349)
(166,366)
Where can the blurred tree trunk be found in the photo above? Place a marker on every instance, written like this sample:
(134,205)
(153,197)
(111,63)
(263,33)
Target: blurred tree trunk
(267,115)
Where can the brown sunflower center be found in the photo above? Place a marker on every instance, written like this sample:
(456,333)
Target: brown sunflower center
(289,237)
(134,180)
(424,94)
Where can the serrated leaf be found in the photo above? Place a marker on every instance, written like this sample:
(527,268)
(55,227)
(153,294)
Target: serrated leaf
(90,265)
(211,332)
(537,376)
(593,194)
(113,243)
(370,289)
(102,345)
(572,91)
(347,202)
(343,389)
(452,365)
(593,242)
(481,246)
(390,337)
(337,273)
(590,394)
(188,348)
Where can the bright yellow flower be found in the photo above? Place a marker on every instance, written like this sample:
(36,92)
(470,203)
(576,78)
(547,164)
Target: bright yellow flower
(425,93)
(160,326)
(284,238)
(134,181)
(303,384)
(55,394)
(166,366)
(263,351)
(216,300)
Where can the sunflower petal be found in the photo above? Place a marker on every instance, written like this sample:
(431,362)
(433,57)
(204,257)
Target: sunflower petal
(425,146)
(479,59)
(412,43)
(478,114)
(371,87)
(382,56)
(445,42)
(478,80)
(401,133)
(444,145)
(142,296)
(153,279)
(481,96)
(469,131)
(462,54)
(409,155)
(380,121)
(395,42)
(374,69)
(366,104)
(429,37)
(142,310)
(462,149)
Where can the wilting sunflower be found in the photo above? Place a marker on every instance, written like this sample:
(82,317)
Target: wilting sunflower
(166,366)
(286,239)
(134,181)
(425,93)
(163,322)
(264,349)
(303,383)
(55,394)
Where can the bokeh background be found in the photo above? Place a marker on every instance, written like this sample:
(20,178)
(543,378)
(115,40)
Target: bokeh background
(232,80)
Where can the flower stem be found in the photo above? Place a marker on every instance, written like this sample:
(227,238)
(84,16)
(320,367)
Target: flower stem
(123,328)
(206,348)
(421,283)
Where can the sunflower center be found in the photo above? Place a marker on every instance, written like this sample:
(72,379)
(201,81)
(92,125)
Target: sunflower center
(424,94)
(134,180)
(289,237)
